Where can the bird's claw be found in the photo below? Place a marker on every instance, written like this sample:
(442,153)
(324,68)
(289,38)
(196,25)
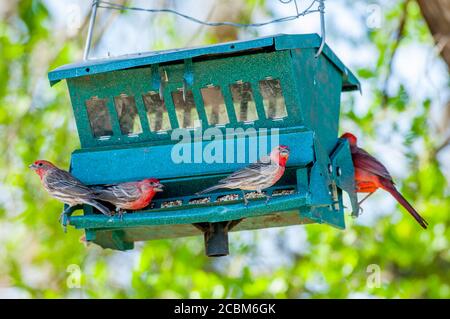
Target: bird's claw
(64,219)
(245,199)
(120,213)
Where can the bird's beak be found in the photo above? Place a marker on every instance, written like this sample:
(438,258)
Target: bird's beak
(32,166)
(284,153)
(159,187)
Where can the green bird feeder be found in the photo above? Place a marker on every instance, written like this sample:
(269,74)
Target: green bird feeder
(130,109)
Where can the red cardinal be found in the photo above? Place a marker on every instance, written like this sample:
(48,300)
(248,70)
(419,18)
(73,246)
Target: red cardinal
(130,195)
(257,176)
(370,175)
(65,187)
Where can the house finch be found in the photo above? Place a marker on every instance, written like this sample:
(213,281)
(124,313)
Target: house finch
(65,187)
(257,176)
(370,175)
(130,195)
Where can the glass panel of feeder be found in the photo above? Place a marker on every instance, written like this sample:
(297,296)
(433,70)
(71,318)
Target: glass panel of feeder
(157,115)
(273,99)
(244,104)
(127,114)
(99,117)
(186,111)
(214,103)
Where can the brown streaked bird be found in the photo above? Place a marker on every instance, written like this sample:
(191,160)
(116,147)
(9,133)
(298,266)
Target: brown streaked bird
(65,187)
(257,176)
(129,195)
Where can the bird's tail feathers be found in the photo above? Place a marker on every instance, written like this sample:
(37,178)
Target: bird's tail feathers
(102,194)
(102,208)
(209,189)
(399,197)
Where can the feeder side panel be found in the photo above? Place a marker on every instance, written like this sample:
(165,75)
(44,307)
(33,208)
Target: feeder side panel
(319,85)
(102,91)
(80,113)
(107,87)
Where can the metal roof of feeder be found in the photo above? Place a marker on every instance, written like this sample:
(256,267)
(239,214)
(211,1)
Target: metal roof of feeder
(274,43)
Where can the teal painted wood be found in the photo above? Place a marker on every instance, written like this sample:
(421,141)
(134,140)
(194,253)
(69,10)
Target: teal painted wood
(103,166)
(135,60)
(349,80)
(229,106)
(190,215)
(132,234)
(319,95)
(223,73)
(279,42)
(344,173)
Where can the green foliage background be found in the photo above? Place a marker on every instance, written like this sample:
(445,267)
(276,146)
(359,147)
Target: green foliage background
(300,262)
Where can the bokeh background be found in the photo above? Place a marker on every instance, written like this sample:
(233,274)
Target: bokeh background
(402,116)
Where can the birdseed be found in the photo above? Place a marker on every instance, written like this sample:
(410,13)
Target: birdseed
(172,204)
(228,197)
(283,192)
(200,201)
(255,195)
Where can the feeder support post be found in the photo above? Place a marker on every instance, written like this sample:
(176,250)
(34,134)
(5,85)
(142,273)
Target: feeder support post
(216,236)
(216,239)
(87,46)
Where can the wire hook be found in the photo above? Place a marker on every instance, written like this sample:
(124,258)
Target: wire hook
(322,26)
(87,47)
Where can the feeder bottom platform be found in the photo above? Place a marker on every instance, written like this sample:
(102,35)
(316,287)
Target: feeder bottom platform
(214,222)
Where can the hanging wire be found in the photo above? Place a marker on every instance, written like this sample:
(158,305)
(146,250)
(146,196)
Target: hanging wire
(114,6)
(322,27)
(87,47)
(308,10)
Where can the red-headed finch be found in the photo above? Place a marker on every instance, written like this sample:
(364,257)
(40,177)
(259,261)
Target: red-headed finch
(257,176)
(371,175)
(65,187)
(130,195)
